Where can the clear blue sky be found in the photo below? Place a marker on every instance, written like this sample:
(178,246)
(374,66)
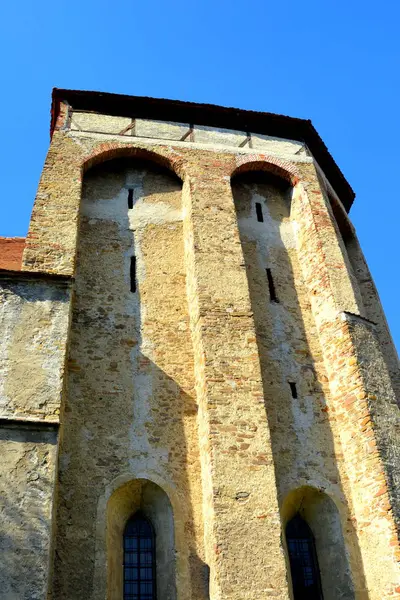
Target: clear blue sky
(335,62)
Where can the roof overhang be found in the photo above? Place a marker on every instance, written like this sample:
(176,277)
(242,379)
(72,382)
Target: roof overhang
(210,115)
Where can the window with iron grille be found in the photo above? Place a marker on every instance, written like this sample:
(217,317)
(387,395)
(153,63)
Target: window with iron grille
(139,559)
(303,560)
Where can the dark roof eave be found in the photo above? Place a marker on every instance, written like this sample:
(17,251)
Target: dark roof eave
(209,115)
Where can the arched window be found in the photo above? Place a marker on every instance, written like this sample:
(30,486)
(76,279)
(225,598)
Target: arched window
(303,560)
(139,559)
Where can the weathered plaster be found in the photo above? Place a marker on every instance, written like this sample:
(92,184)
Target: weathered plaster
(28,460)
(34,324)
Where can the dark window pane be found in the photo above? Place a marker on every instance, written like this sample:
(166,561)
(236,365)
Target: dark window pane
(145,529)
(131,574)
(129,543)
(130,558)
(139,567)
(145,558)
(145,543)
(303,560)
(146,574)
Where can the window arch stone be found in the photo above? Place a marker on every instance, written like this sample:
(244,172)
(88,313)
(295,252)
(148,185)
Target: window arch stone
(323,518)
(146,497)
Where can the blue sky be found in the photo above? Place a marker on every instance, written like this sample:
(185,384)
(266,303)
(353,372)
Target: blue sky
(336,63)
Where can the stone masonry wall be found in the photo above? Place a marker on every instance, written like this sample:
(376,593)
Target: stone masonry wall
(371,306)
(244,547)
(305,442)
(332,298)
(130,406)
(219,455)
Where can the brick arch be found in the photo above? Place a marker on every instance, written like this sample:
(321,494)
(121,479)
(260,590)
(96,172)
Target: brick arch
(108,151)
(270,164)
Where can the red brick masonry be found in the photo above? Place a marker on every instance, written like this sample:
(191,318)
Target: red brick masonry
(11,249)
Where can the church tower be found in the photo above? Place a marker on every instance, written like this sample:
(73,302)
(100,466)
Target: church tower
(198,390)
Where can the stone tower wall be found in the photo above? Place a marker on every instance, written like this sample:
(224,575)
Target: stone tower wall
(177,396)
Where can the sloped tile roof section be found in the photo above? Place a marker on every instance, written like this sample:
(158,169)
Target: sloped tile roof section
(270,124)
(11,249)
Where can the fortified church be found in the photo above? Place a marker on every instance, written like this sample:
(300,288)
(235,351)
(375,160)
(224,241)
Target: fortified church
(198,385)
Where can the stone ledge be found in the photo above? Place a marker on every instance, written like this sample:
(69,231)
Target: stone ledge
(12,274)
(348,316)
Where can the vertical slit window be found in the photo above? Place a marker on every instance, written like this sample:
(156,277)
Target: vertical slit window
(133,273)
(303,560)
(130,198)
(271,286)
(139,559)
(259,212)
(293,389)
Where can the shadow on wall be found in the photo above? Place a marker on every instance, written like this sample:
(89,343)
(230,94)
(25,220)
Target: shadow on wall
(130,405)
(292,371)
